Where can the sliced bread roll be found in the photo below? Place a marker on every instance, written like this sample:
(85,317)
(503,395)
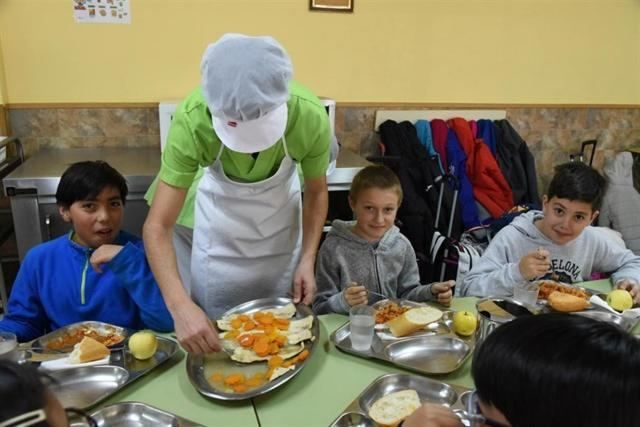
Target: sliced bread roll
(391,409)
(413,320)
(88,350)
(567,303)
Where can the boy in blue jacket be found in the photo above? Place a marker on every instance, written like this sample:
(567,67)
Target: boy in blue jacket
(96,272)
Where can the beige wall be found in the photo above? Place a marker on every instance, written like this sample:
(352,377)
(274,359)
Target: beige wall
(441,51)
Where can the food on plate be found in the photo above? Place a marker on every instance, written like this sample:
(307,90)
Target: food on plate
(389,311)
(464,323)
(391,409)
(566,302)
(143,345)
(108,336)
(548,286)
(271,336)
(620,299)
(88,350)
(413,320)
(235,321)
(276,367)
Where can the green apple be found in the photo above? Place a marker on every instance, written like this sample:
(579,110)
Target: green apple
(464,323)
(620,300)
(143,345)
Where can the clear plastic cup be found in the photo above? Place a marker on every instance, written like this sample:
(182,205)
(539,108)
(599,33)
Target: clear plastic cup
(362,320)
(526,293)
(8,346)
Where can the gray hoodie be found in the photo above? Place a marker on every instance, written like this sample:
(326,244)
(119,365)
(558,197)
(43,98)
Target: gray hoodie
(621,204)
(389,268)
(498,270)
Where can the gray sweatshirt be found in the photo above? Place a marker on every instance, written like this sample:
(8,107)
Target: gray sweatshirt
(498,270)
(389,268)
(621,203)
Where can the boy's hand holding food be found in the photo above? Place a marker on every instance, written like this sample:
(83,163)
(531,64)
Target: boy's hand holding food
(442,291)
(535,264)
(632,287)
(355,294)
(103,255)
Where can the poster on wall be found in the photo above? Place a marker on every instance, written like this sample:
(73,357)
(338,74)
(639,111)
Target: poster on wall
(101,11)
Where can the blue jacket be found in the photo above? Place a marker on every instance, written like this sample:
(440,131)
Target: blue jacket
(487,133)
(458,167)
(57,286)
(423,130)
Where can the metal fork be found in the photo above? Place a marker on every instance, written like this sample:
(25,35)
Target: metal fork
(392,299)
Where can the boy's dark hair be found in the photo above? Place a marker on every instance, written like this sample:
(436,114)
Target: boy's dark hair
(554,370)
(375,176)
(21,391)
(577,181)
(85,180)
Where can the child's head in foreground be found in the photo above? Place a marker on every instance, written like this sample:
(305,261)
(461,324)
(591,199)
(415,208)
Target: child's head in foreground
(572,201)
(25,398)
(375,197)
(559,370)
(91,196)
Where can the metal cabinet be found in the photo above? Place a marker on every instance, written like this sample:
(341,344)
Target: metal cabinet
(32,187)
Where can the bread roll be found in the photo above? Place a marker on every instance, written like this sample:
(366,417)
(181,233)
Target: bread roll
(413,320)
(391,409)
(560,301)
(88,350)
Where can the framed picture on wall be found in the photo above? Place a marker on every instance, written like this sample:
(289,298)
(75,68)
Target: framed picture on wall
(332,5)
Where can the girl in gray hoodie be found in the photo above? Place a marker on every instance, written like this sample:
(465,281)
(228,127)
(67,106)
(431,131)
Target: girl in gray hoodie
(370,255)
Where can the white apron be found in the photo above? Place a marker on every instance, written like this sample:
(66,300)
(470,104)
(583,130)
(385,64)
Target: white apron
(246,237)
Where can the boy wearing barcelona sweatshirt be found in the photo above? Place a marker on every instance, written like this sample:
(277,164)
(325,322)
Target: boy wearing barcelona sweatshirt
(558,241)
(96,272)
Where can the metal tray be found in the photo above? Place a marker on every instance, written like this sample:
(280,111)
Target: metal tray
(136,414)
(82,387)
(86,386)
(200,367)
(433,351)
(429,390)
(608,316)
(40,344)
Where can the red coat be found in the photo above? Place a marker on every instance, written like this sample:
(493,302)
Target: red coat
(490,188)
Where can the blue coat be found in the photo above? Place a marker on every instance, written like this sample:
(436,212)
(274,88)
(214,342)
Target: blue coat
(458,167)
(56,286)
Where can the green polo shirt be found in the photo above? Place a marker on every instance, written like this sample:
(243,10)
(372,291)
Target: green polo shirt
(193,144)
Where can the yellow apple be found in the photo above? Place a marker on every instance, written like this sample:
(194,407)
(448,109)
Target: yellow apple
(620,299)
(464,323)
(143,345)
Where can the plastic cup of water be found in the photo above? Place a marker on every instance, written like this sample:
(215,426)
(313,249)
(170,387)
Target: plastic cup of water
(362,320)
(526,293)
(8,346)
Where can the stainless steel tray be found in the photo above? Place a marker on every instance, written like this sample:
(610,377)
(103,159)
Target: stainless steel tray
(136,414)
(608,316)
(200,367)
(40,344)
(435,350)
(86,386)
(429,390)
